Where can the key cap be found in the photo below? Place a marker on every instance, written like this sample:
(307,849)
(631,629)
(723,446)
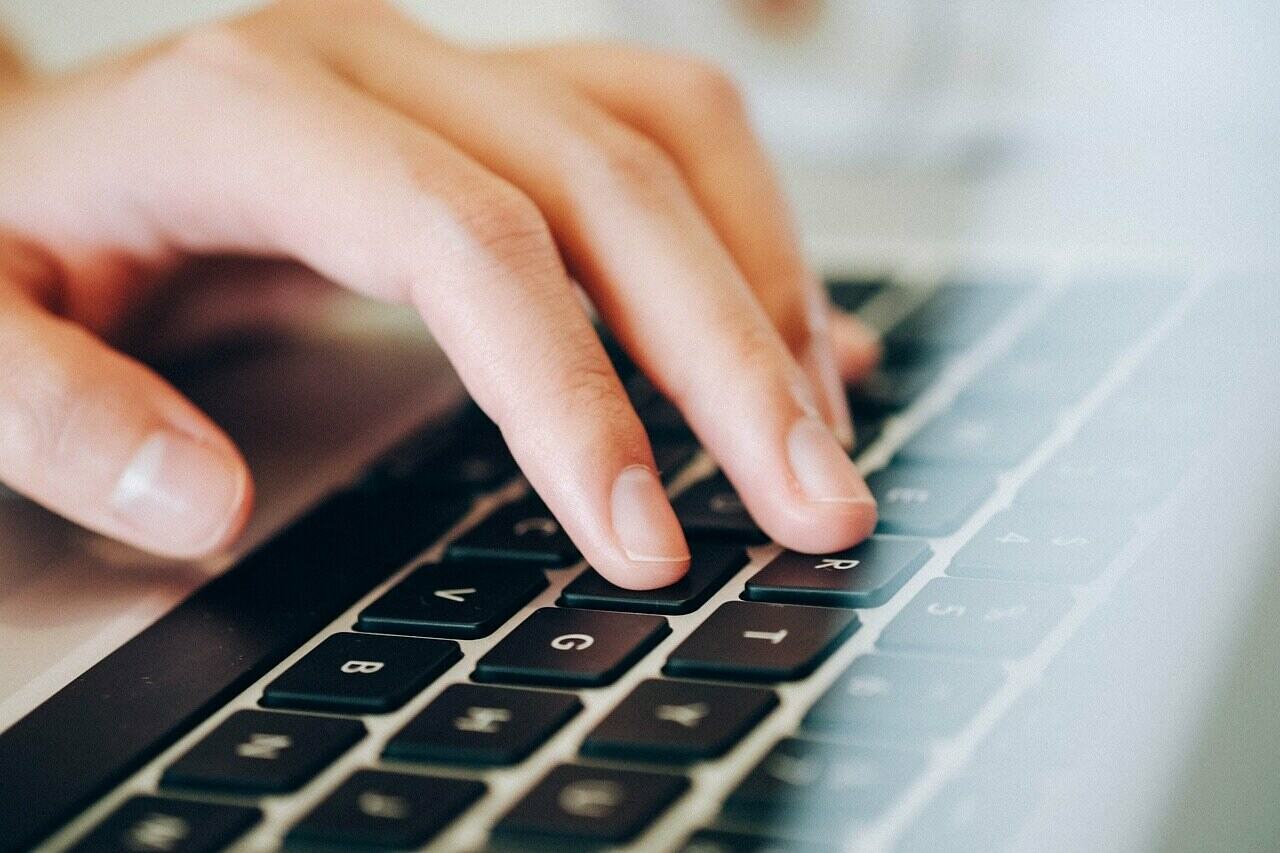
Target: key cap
(524,531)
(361,674)
(1031,377)
(711,508)
(813,789)
(678,722)
(892,387)
(672,455)
(1101,316)
(463,600)
(575,806)
(469,458)
(662,419)
(712,566)
(169,825)
(1043,545)
(385,811)
(1093,478)
(850,294)
(972,814)
(479,461)
(866,575)
(263,752)
(969,436)
(868,426)
(572,648)
(476,724)
(928,500)
(723,841)
(956,315)
(979,618)
(749,641)
(887,698)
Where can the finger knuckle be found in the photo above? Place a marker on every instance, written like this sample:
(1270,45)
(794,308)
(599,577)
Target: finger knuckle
(755,348)
(708,88)
(592,387)
(633,166)
(336,8)
(39,397)
(505,225)
(222,52)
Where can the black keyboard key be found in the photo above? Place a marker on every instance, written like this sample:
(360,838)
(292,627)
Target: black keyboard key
(1097,478)
(1031,377)
(724,841)
(572,648)
(481,725)
(1039,545)
(479,461)
(711,508)
(888,698)
(1098,316)
(892,387)
(678,722)
(972,814)
(385,811)
(979,436)
(850,294)
(523,532)
(978,618)
(463,600)
(954,316)
(868,426)
(866,575)
(662,419)
(263,752)
(813,789)
(926,500)
(471,458)
(167,825)
(575,807)
(750,641)
(712,566)
(672,455)
(361,674)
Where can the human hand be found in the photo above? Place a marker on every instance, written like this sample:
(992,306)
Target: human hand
(469,184)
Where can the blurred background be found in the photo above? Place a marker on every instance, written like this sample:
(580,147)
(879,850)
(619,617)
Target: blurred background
(1139,126)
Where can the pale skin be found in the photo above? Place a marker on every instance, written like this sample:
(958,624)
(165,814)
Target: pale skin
(483,189)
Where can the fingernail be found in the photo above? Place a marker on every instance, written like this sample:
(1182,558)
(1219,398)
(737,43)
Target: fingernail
(820,360)
(822,467)
(643,519)
(181,492)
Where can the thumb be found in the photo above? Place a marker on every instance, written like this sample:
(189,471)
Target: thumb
(105,442)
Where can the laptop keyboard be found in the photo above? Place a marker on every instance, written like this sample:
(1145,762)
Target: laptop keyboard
(498,693)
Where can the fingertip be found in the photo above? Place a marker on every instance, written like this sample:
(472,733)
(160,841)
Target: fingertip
(184,498)
(826,528)
(654,551)
(643,574)
(858,347)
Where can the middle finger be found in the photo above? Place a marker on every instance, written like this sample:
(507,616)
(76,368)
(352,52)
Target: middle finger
(652,264)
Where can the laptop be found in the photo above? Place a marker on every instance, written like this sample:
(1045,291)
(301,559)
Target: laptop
(1060,637)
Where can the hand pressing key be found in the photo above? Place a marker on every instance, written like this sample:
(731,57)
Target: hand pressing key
(469,184)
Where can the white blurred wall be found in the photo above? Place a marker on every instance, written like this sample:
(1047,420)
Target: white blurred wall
(1148,125)
(60,33)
